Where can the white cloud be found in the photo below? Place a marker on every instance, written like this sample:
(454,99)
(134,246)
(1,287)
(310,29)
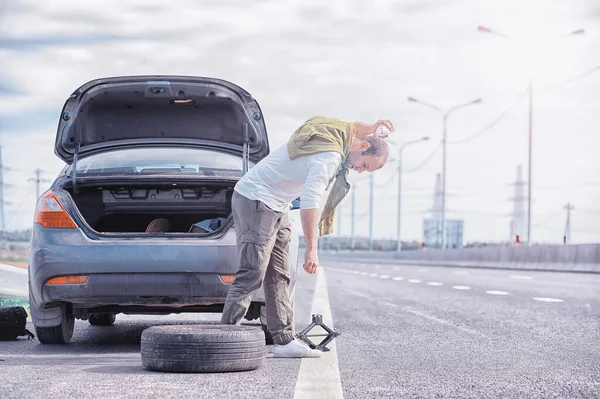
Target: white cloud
(353,60)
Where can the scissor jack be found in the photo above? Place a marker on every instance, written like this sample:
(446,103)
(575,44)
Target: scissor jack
(317,320)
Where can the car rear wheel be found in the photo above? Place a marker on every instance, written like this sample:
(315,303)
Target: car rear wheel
(60,334)
(202,348)
(102,319)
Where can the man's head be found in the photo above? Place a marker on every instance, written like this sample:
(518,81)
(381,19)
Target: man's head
(368,154)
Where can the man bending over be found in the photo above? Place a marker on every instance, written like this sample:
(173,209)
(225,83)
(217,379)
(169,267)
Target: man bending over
(315,161)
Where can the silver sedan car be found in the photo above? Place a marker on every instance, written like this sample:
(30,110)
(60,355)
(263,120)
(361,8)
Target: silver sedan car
(139,220)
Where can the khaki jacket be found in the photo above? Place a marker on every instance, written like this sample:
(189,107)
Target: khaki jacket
(320,134)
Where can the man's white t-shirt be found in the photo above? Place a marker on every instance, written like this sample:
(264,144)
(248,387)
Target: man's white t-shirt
(277,180)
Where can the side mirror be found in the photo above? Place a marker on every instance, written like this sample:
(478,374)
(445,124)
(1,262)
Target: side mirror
(295,204)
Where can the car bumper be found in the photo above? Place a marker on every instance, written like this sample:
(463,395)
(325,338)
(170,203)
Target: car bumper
(148,289)
(157,273)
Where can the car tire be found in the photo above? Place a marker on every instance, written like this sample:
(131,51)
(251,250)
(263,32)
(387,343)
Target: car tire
(60,334)
(202,348)
(102,319)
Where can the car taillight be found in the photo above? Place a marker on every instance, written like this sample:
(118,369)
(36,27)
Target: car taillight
(67,280)
(51,214)
(227,278)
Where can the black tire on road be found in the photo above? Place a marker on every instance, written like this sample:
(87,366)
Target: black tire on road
(60,334)
(202,348)
(102,319)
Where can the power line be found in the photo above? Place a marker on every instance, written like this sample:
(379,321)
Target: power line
(519,97)
(573,79)
(426,161)
(37,179)
(494,123)
(395,172)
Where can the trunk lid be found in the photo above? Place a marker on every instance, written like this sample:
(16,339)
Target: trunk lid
(118,112)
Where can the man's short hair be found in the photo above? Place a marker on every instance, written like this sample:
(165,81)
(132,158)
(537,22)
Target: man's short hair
(378,148)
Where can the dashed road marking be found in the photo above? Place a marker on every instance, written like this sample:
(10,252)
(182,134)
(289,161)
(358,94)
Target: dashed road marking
(436,319)
(491,292)
(435,283)
(398,278)
(373,275)
(548,299)
(363,273)
(461,287)
(518,277)
(461,273)
(414,280)
(320,378)
(384,276)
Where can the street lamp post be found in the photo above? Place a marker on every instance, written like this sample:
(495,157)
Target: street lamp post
(530,142)
(445,118)
(399,249)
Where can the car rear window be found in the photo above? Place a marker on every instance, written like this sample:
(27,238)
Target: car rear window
(158,161)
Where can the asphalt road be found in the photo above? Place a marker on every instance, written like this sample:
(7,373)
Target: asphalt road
(407,331)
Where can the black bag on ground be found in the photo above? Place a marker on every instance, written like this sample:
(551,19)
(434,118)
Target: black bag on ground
(12,323)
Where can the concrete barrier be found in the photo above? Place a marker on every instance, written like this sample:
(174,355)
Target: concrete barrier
(13,282)
(571,258)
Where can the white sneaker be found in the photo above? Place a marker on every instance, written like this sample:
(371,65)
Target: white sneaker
(295,349)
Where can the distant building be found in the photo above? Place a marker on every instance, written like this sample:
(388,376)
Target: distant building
(432,226)
(432,233)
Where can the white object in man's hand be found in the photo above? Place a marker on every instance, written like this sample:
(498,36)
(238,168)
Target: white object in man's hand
(311,261)
(383,128)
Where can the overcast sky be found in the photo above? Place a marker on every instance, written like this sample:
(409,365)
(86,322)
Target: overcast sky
(356,60)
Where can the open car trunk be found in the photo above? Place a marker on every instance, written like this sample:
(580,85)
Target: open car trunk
(133,208)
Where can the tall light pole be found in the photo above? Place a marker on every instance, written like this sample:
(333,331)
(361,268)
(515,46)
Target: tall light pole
(445,118)
(530,90)
(371,189)
(352,238)
(399,248)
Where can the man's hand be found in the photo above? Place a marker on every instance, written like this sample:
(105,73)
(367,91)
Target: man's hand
(310,221)
(311,261)
(365,129)
(387,123)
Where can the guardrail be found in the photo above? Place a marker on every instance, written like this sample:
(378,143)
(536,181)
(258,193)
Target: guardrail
(572,258)
(13,286)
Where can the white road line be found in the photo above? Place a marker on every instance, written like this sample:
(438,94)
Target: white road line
(515,276)
(363,273)
(373,275)
(547,299)
(435,283)
(320,377)
(414,280)
(496,292)
(384,276)
(461,273)
(436,319)
(461,287)
(398,278)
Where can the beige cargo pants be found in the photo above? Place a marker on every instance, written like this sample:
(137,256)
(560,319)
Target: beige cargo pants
(263,237)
